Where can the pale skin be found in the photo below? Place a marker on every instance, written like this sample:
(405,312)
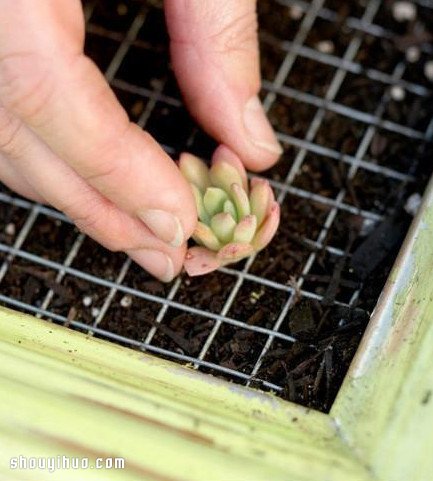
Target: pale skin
(67,142)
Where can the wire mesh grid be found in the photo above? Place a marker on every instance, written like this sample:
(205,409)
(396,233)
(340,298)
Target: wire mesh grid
(50,269)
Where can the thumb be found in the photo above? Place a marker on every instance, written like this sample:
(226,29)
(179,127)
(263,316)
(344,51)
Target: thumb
(216,60)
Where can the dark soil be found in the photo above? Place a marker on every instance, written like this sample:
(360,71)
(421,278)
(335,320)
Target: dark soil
(341,269)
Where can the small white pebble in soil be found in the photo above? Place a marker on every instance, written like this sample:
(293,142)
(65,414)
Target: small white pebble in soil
(397,93)
(367,227)
(412,204)
(126,301)
(296,12)
(10,229)
(95,312)
(404,11)
(413,54)
(87,301)
(428,70)
(325,46)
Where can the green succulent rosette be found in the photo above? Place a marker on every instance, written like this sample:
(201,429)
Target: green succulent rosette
(235,218)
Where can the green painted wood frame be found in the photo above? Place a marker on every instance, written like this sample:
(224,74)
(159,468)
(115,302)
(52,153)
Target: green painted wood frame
(67,394)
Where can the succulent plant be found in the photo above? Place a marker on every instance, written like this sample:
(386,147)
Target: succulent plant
(235,219)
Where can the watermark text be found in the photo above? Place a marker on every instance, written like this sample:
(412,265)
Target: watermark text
(57,463)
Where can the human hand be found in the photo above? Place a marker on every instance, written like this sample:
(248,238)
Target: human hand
(66,141)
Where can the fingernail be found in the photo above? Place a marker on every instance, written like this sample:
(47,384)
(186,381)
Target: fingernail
(156,263)
(164,225)
(259,128)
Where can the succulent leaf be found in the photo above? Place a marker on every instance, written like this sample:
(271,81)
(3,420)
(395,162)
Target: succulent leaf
(245,230)
(234,252)
(195,171)
(223,175)
(241,201)
(271,200)
(214,199)
(204,236)
(259,199)
(223,153)
(232,224)
(201,211)
(223,225)
(230,208)
(268,228)
(200,261)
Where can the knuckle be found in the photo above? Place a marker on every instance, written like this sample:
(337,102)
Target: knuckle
(86,213)
(219,29)
(93,217)
(26,83)
(102,172)
(111,165)
(86,222)
(9,130)
(237,34)
(113,244)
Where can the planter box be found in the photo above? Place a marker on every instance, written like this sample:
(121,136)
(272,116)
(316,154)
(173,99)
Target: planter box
(65,393)
(68,394)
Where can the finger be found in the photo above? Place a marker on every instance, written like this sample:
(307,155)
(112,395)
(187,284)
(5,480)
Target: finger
(215,56)
(64,98)
(10,177)
(10,126)
(61,186)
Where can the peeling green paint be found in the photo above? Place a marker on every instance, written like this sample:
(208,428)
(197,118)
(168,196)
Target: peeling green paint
(104,398)
(378,408)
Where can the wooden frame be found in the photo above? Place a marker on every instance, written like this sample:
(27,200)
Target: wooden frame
(65,393)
